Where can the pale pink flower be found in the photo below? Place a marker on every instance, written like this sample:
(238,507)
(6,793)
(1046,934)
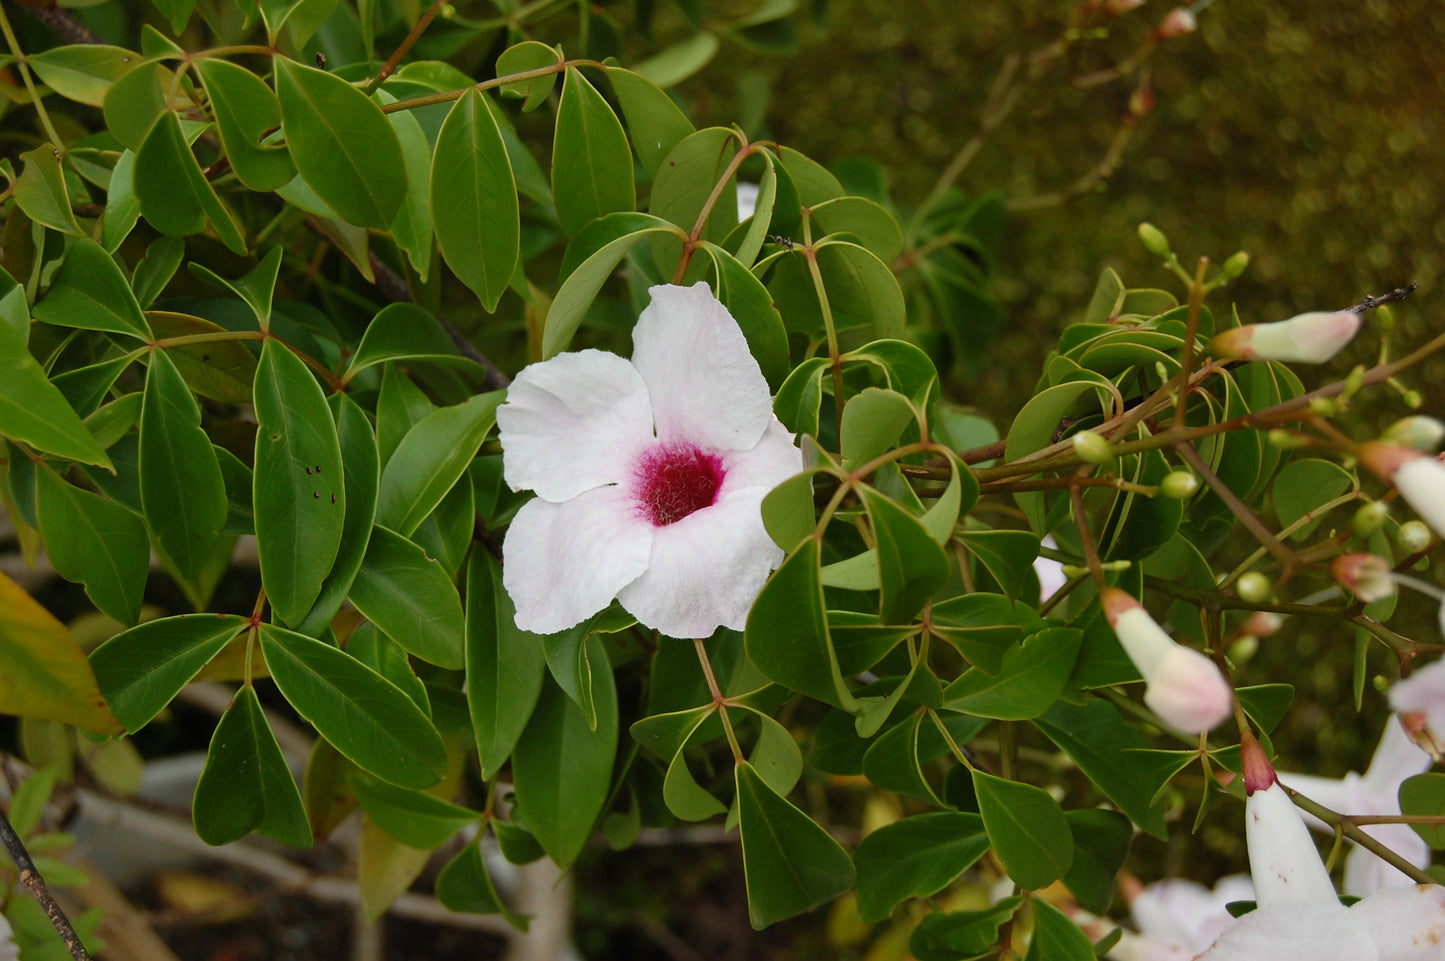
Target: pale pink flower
(1311,338)
(1177,919)
(1420,700)
(649,476)
(1177,23)
(1182,686)
(1419,478)
(1367,576)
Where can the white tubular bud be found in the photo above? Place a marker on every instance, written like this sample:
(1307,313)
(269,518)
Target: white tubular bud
(1367,576)
(1311,338)
(1283,860)
(1182,686)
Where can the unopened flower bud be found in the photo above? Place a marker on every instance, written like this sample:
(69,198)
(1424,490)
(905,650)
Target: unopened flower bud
(1417,432)
(1413,399)
(1311,338)
(1177,23)
(1367,576)
(1182,686)
(1262,624)
(1178,485)
(1325,406)
(1243,648)
(1283,439)
(1092,448)
(1418,478)
(1283,860)
(1153,240)
(1370,518)
(1235,265)
(1252,587)
(1413,537)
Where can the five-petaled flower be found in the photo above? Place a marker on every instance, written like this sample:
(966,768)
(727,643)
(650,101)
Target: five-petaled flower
(1182,686)
(649,476)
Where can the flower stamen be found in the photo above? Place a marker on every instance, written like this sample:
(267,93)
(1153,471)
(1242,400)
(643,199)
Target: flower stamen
(675,480)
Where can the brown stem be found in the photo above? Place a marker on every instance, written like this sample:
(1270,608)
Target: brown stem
(388,68)
(1086,536)
(39,890)
(1241,510)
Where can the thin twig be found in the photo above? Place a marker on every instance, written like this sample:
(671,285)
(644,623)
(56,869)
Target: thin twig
(32,880)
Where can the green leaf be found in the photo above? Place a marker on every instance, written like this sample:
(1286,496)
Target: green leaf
(949,936)
(415,818)
(505,665)
(163,257)
(256,288)
(342,144)
(34,412)
(474,196)
(92,293)
(1007,555)
(141,670)
(915,858)
(300,498)
(684,797)
(653,119)
(683,187)
(405,332)
(894,761)
(592,257)
(1056,937)
(1029,832)
(464,884)
(246,785)
(1424,794)
(246,111)
(787,631)
(873,226)
(1034,428)
(361,472)
(431,458)
(223,370)
(96,542)
(1302,486)
(1101,846)
(522,58)
(400,405)
(1032,677)
(873,420)
(591,162)
(1104,747)
(672,65)
(411,598)
(174,194)
(83,72)
(46,675)
(563,770)
(862,288)
(181,487)
(40,191)
(666,734)
(364,716)
(911,564)
(791,864)
(136,101)
(122,210)
(386,657)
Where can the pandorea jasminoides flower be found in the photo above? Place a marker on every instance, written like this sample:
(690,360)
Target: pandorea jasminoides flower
(1311,338)
(1367,576)
(1182,686)
(1420,701)
(1419,478)
(1299,914)
(649,476)
(1177,919)
(1376,793)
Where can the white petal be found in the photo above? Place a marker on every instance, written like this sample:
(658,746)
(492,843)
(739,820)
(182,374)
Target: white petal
(1423,691)
(1396,758)
(771,462)
(1295,932)
(1283,860)
(1365,873)
(1421,482)
(706,569)
(1406,924)
(573,423)
(1143,639)
(565,562)
(705,386)
(1187,691)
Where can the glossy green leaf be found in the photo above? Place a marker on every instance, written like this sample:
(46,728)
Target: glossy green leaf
(894,761)
(683,187)
(14,308)
(155,270)
(174,194)
(776,756)
(1302,486)
(911,565)
(788,510)
(40,191)
(1029,832)
(1007,555)
(94,541)
(672,65)
(474,199)
(1034,428)
(1104,748)
(246,111)
(505,665)
(135,101)
(653,119)
(223,370)
(787,631)
(410,597)
(91,292)
(415,818)
(1424,795)
(33,411)
(141,670)
(86,388)
(413,228)
(405,332)
(873,420)
(386,657)
(592,257)
(1056,937)
(1031,678)
(790,863)
(684,797)
(800,399)
(465,885)
(256,288)
(111,422)
(563,770)
(300,497)
(525,57)
(364,716)
(431,458)
(246,785)
(862,288)
(342,144)
(83,72)
(122,210)
(591,161)
(873,226)
(400,405)
(951,935)
(915,857)
(181,487)
(1101,846)
(666,734)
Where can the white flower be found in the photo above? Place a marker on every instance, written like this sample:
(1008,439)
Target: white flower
(1177,919)
(1368,576)
(747,200)
(1050,572)
(649,476)
(1311,338)
(1299,915)
(1419,479)
(1182,686)
(1376,793)
(1420,700)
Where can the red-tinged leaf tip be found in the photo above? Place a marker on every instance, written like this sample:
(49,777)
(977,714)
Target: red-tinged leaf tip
(1383,459)
(1258,772)
(1116,602)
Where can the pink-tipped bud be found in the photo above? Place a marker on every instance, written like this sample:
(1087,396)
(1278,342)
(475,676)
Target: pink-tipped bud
(1367,576)
(1311,338)
(1177,23)
(1182,686)
(1262,624)
(1418,478)
(1258,772)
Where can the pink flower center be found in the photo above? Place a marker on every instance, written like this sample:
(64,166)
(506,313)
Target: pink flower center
(674,480)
